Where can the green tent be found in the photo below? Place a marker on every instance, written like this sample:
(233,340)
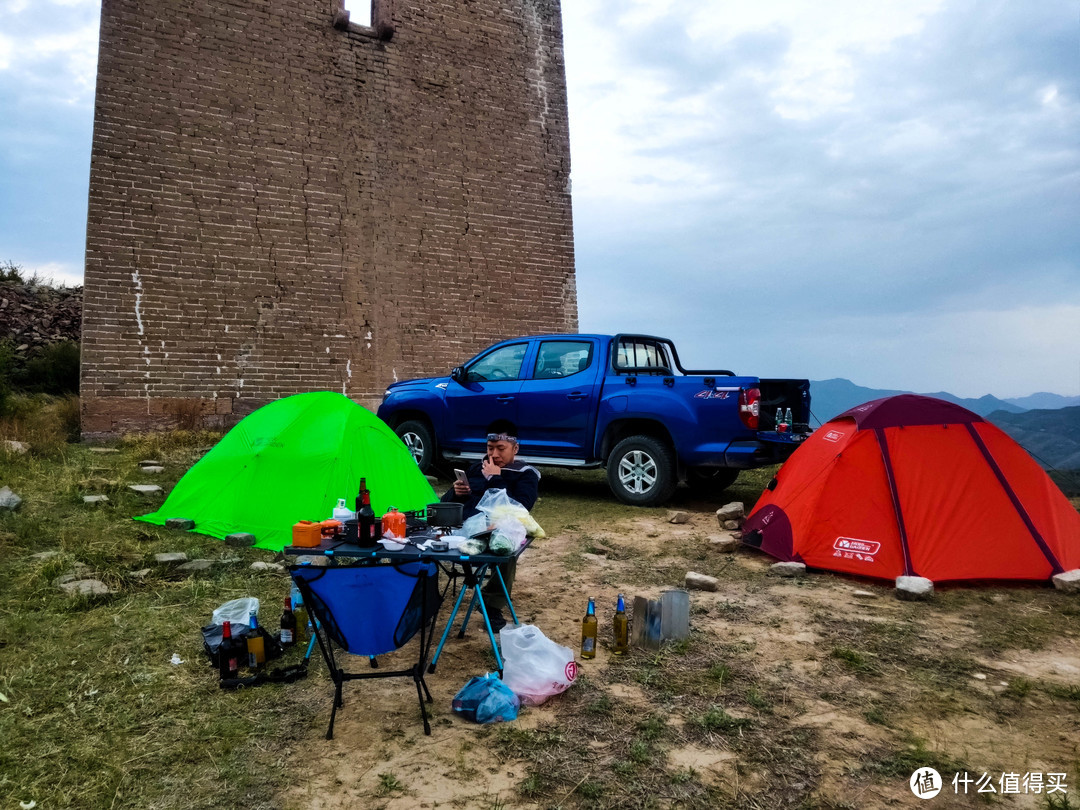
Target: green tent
(289,461)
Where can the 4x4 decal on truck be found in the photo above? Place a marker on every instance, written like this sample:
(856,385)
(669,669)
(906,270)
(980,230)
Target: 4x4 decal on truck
(712,393)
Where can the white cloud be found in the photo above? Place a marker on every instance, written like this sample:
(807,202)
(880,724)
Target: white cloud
(57,273)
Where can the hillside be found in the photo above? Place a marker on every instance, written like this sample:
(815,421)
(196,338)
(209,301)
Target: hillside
(829,398)
(1051,436)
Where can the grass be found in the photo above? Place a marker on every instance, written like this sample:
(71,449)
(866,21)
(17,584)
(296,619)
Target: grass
(94,715)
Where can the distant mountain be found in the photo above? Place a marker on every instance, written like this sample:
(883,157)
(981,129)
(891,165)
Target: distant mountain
(1043,401)
(1051,436)
(829,398)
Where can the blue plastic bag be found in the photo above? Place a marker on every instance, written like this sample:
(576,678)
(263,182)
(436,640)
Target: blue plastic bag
(486,700)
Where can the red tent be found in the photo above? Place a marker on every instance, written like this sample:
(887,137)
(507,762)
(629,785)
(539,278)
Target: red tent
(916,486)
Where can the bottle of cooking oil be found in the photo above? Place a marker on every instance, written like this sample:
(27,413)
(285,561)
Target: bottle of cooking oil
(588,631)
(621,626)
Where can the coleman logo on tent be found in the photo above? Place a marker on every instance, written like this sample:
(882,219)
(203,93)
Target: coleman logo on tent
(834,436)
(852,545)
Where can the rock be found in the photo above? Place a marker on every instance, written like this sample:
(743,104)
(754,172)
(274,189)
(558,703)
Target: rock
(152,469)
(182,524)
(730,511)
(864,594)
(1067,582)
(14,447)
(196,565)
(145,489)
(679,517)
(95,498)
(731,525)
(240,539)
(86,587)
(788,569)
(265,566)
(142,573)
(979,676)
(8,499)
(725,545)
(701,582)
(913,589)
(78,571)
(170,557)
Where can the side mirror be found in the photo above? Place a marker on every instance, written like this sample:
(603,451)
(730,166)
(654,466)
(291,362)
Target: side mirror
(458,375)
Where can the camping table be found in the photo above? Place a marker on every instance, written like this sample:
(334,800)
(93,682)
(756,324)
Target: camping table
(473,569)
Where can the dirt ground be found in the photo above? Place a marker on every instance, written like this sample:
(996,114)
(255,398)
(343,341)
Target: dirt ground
(833,692)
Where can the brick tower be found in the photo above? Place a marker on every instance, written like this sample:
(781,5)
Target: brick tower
(284,201)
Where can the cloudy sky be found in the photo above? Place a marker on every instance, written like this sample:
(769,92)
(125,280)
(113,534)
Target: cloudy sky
(887,191)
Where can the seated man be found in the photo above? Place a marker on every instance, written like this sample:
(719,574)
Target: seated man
(498,470)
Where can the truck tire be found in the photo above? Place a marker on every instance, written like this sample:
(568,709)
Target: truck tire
(421,444)
(641,471)
(710,480)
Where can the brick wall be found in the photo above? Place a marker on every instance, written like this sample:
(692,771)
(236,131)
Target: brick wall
(280,204)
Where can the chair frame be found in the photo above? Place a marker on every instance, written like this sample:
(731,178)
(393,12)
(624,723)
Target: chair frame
(339,676)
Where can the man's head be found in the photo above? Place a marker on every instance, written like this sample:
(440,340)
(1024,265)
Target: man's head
(502,443)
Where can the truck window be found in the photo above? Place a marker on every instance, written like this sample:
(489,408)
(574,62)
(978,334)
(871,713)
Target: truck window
(561,358)
(502,364)
(635,353)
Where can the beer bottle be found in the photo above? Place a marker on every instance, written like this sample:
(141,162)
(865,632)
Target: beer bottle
(228,654)
(256,650)
(300,611)
(588,631)
(365,520)
(621,627)
(288,624)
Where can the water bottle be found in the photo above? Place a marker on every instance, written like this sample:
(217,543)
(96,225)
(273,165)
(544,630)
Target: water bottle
(787,418)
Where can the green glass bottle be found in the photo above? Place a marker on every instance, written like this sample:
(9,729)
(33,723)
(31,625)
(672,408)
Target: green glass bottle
(621,626)
(588,631)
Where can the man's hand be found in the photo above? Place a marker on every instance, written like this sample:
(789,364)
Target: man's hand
(490,468)
(462,488)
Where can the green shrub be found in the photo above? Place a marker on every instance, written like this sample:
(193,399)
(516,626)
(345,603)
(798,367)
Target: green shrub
(52,369)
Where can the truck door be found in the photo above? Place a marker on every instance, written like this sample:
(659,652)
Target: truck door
(559,396)
(488,391)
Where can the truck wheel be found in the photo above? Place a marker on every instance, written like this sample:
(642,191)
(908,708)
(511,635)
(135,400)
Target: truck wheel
(710,480)
(417,437)
(641,471)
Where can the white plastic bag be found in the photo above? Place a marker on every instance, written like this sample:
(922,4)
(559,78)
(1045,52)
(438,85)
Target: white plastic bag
(498,506)
(237,611)
(534,666)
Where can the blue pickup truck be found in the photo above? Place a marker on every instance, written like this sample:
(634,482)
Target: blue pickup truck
(621,402)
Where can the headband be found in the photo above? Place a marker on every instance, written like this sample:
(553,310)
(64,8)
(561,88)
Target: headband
(502,437)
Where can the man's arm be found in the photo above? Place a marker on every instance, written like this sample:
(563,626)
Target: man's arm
(523,487)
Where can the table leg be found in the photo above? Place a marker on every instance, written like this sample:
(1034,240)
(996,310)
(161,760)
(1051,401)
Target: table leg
(446,630)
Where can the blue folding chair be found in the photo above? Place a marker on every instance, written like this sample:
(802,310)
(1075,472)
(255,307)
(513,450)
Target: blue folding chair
(370,610)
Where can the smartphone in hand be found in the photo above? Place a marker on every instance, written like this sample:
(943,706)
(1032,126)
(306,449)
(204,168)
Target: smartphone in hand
(460,476)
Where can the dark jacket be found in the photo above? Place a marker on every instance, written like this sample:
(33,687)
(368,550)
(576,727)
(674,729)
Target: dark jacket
(521,482)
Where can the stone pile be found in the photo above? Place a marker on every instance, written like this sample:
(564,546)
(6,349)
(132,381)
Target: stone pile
(36,315)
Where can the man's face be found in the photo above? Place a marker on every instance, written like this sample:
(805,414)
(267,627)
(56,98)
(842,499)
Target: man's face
(501,452)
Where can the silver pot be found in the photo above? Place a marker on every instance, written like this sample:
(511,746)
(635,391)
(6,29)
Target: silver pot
(444,514)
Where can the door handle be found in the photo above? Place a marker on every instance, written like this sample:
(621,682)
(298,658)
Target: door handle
(504,398)
(575,395)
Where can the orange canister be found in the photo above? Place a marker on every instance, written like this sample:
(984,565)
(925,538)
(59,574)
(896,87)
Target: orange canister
(307,534)
(393,523)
